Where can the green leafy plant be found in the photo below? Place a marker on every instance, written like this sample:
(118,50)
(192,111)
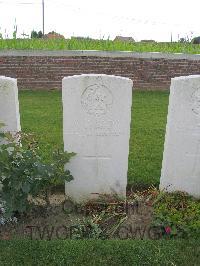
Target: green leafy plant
(23,173)
(179,215)
(86,228)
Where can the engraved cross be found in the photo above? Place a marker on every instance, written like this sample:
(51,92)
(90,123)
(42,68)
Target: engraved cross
(96,160)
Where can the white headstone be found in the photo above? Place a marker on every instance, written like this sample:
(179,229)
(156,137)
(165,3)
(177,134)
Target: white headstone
(96,126)
(9,105)
(181,158)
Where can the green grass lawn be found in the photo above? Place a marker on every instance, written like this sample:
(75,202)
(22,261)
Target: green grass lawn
(97,252)
(104,45)
(41,113)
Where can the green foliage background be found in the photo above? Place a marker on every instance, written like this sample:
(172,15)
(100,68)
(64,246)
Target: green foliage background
(104,45)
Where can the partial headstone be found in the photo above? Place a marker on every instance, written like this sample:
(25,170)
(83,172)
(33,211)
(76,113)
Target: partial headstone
(181,158)
(9,105)
(96,126)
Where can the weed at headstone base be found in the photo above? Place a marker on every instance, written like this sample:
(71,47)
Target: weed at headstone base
(24,174)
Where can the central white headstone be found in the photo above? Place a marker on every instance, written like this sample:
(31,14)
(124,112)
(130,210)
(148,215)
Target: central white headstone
(9,105)
(181,158)
(96,126)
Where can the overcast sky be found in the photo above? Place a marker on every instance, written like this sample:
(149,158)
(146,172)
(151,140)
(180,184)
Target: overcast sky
(141,19)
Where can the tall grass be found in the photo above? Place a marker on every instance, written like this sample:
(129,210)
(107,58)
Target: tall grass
(104,45)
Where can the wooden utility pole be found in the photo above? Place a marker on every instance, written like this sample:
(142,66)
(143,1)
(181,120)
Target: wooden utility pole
(43,17)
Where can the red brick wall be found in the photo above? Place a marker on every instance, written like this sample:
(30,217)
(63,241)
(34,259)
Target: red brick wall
(46,72)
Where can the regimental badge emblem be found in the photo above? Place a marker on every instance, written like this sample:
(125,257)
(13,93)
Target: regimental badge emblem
(96,99)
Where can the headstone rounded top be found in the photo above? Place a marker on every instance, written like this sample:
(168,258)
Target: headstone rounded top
(99,76)
(7,78)
(190,77)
